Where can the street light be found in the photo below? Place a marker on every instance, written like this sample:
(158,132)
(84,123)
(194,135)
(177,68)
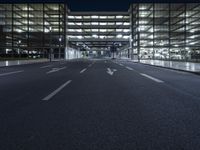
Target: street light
(60,40)
(19,42)
(50,53)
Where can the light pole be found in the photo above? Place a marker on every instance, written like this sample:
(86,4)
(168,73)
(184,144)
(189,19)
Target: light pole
(19,42)
(60,40)
(50,50)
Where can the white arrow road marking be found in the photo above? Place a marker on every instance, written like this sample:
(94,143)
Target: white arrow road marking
(45,66)
(111,72)
(9,73)
(152,78)
(55,70)
(83,70)
(56,91)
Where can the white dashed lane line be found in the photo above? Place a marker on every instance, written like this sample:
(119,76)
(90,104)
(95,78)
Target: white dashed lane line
(46,66)
(82,71)
(129,68)
(56,91)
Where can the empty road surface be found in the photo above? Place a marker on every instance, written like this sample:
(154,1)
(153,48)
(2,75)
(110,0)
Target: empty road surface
(98,105)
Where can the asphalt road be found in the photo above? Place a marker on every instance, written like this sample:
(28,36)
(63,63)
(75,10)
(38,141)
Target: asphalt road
(98,105)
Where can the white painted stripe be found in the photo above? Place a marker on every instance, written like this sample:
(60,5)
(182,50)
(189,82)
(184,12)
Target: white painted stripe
(56,91)
(83,70)
(129,68)
(9,73)
(45,66)
(152,78)
(121,65)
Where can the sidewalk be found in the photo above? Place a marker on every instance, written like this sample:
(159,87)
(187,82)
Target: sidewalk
(21,62)
(183,66)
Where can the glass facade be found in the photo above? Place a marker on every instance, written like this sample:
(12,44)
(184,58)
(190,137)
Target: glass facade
(98,30)
(166,31)
(31,30)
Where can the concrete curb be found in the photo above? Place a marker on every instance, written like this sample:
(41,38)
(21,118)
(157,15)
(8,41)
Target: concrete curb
(25,64)
(197,73)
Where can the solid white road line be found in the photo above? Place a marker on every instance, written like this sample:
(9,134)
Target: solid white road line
(129,68)
(121,65)
(9,73)
(152,78)
(56,91)
(45,66)
(55,70)
(83,70)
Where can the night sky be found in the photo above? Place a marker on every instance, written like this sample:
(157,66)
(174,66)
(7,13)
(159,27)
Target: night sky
(98,5)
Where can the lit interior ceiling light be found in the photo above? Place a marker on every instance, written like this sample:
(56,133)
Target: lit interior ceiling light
(103,23)
(119,23)
(126,37)
(79,30)
(94,23)
(95,17)
(151,36)
(46,23)
(95,36)
(79,37)
(19,30)
(103,17)
(151,30)
(102,30)
(176,45)
(119,17)
(119,36)
(71,17)
(126,30)
(70,30)
(142,8)
(193,36)
(119,30)
(142,15)
(55,8)
(79,23)
(25,15)
(143,22)
(78,17)
(71,23)
(193,43)
(94,30)
(126,23)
